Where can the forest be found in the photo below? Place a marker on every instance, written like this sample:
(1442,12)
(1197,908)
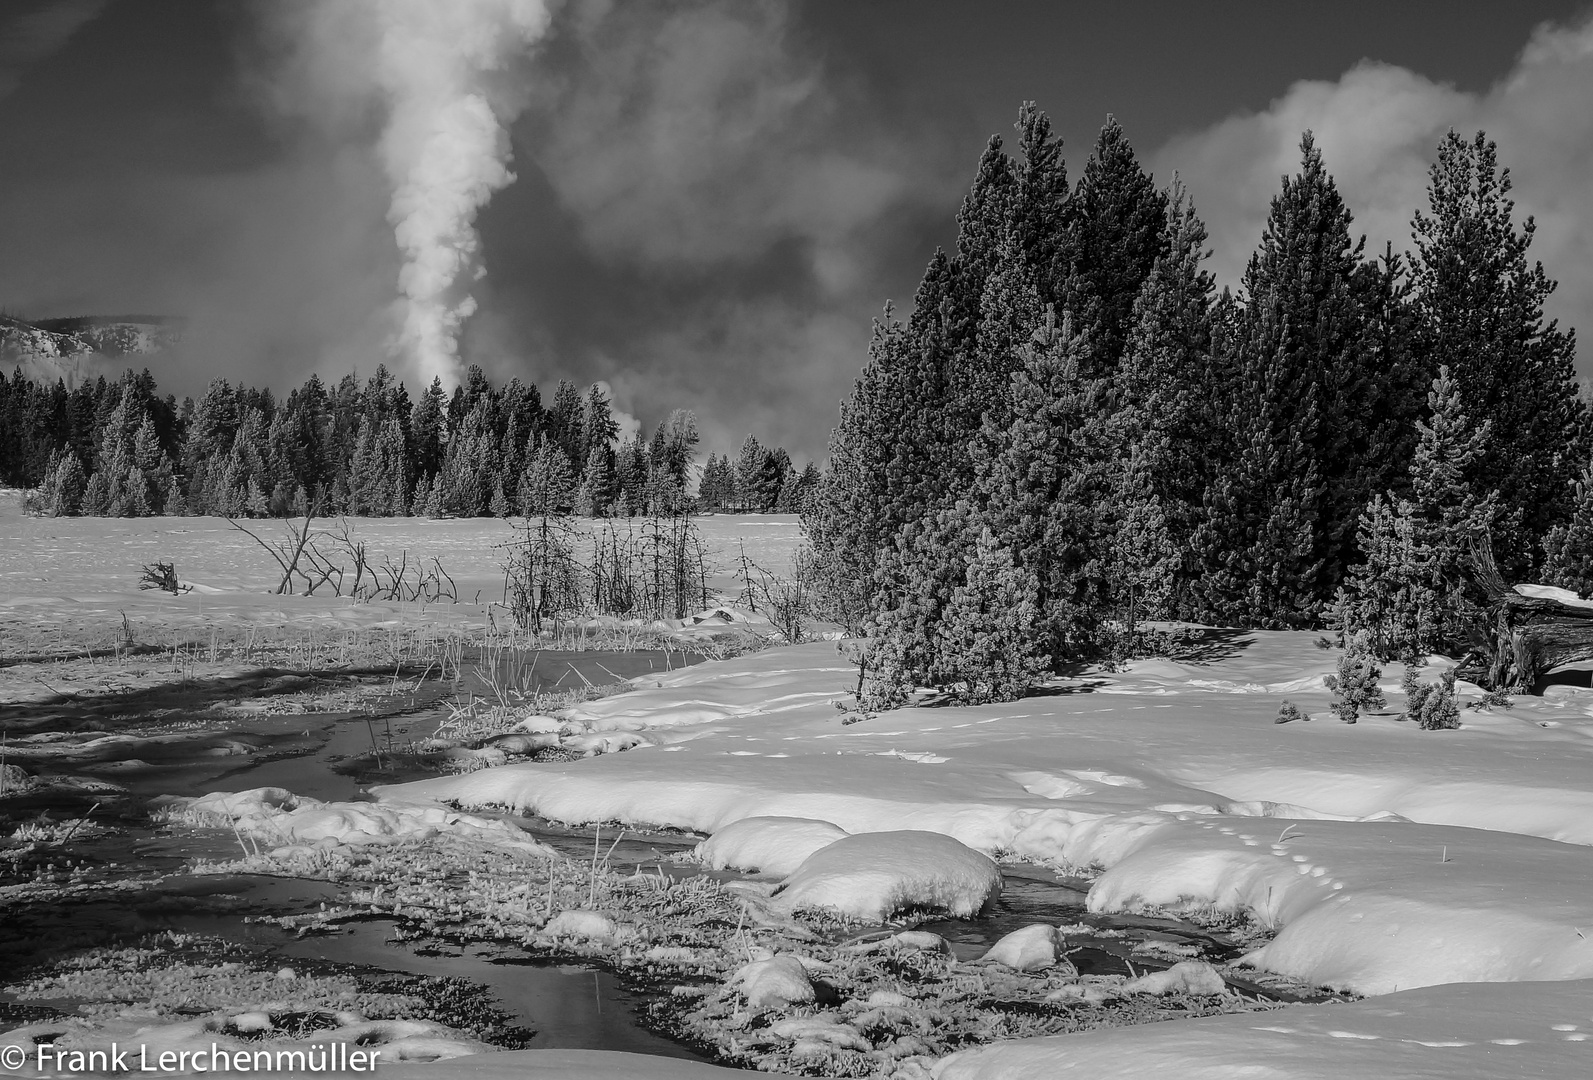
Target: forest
(1074,431)
(120,449)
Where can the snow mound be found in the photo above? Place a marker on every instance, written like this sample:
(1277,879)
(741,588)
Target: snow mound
(774,983)
(1032,948)
(1186,977)
(586,926)
(871,876)
(773,845)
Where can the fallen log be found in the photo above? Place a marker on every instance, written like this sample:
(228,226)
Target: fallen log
(1530,635)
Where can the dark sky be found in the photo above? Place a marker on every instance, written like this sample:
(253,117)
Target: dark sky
(713,199)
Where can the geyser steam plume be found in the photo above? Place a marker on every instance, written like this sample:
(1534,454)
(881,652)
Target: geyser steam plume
(444,144)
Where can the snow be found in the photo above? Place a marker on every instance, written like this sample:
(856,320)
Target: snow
(1031,948)
(1445,872)
(874,875)
(566,1065)
(1389,856)
(69,573)
(1554,592)
(393,1040)
(586,926)
(1466,1031)
(294,823)
(1184,977)
(772,845)
(774,982)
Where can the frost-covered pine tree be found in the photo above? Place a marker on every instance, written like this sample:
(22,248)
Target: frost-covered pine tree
(988,646)
(1407,594)
(1481,301)
(548,485)
(1355,686)
(62,489)
(1568,548)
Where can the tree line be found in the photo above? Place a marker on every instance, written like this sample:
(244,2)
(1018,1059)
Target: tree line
(365,448)
(1074,431)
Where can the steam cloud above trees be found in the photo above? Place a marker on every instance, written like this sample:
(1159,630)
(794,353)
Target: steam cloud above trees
(444,144)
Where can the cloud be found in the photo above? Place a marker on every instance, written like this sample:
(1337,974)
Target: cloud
(428,69)
(691,135)
(1379,126)
(741,203)
(32,36)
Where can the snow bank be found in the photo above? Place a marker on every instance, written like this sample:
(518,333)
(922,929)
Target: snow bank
(772,845)
(1161,774)
(874,875)
(1374,907)
(1458,1032)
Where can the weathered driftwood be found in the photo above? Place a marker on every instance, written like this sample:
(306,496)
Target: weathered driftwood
(1531,635)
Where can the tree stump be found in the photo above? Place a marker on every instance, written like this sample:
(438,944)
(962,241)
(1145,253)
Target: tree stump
(1531,635)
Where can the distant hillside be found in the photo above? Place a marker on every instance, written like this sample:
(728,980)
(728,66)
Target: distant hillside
(84,346)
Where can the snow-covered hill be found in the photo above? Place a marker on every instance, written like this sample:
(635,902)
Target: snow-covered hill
(77,349)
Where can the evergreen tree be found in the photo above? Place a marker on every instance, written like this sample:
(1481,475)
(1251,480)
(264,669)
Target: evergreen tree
(565,424)
(1021,283)
(598,486)
(749,470)
(1119,232)
(499,505)
(1481,305)
(711,491)
(429,427)
(1282,524)
(1042,481)
(808,485)
(680,445)
(548,486)
(464,486)
(1166,392)
(599,429)
(390,491)
(364,479)
(989,633)
(1568,548)
(630,477)
(1408,594)
(63,486)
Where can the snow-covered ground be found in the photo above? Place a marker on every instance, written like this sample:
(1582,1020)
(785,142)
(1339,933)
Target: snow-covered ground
(1390,858)
(71,580)
(1444,873)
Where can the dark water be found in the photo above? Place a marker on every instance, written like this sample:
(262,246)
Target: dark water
(330,757)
